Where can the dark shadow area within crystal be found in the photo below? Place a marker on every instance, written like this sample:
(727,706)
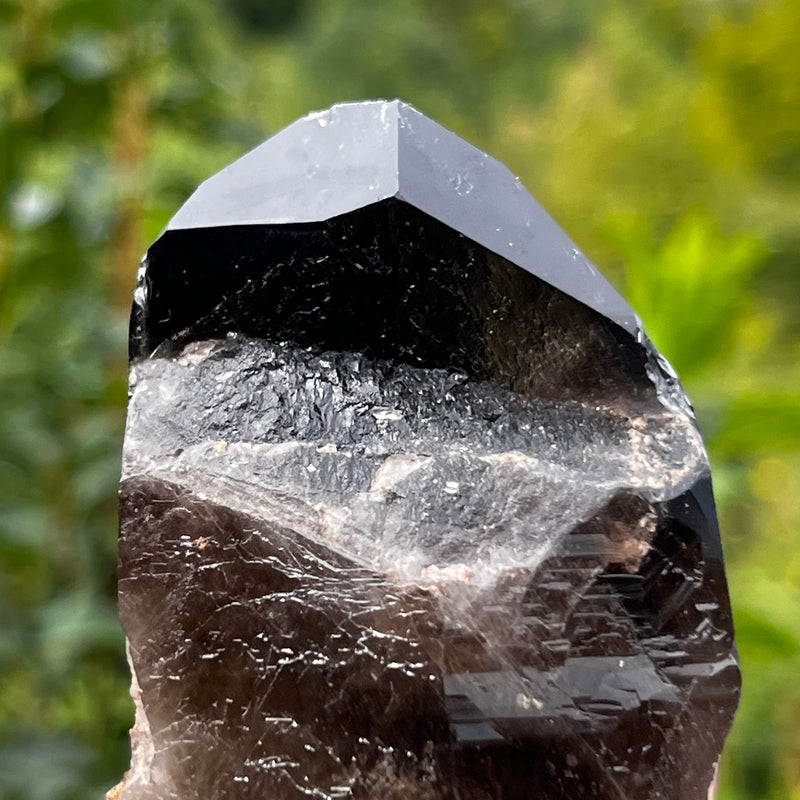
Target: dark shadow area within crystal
(391,282)
(273,661)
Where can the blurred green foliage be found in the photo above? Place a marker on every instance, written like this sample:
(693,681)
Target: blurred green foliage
(663,134)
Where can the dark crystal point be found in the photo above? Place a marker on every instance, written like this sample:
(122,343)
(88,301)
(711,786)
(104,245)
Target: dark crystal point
(411,508)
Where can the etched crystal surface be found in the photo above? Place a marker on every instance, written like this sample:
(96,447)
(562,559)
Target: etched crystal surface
(409,509)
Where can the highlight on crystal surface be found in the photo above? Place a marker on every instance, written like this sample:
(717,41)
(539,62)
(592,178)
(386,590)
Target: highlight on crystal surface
(411,507)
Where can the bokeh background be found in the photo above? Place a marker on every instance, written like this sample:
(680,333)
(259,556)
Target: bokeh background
(664,135)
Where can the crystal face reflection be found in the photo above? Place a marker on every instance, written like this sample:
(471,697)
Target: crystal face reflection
(399,517)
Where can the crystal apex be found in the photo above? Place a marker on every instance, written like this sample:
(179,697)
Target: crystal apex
(353,155)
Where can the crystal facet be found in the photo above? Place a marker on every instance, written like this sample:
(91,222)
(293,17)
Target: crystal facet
(411,508)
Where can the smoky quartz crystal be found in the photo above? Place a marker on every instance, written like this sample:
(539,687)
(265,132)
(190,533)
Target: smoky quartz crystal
(411,508)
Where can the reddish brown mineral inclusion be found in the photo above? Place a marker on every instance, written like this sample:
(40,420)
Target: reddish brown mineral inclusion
(410,508)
